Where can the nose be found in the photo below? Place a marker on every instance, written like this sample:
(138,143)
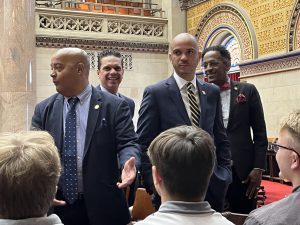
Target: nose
(183,57)
(52,74)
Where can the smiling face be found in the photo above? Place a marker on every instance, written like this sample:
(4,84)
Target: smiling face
(184,55)
(111,73)
(215,67)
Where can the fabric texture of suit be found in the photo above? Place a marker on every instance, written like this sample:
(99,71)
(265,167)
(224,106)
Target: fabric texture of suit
(129,101)
(246,152)
(109,133)
(163,108)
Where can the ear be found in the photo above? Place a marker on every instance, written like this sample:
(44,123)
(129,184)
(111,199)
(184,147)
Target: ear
(156,179)
(295,161)
(80,68)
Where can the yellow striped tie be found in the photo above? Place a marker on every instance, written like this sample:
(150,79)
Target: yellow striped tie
(194,107)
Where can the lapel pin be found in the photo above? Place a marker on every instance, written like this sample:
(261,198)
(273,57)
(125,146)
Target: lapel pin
(203,92)
(235,88)
(97,106)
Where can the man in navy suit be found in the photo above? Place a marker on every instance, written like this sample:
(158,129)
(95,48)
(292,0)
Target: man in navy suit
(242,112)
(166,105)
(110,72)
(104,136)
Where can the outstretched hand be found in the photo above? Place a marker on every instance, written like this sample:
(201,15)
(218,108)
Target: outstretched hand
(128,173)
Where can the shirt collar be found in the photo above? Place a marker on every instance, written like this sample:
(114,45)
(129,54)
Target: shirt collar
(182,82)
(83,95)
(104,89)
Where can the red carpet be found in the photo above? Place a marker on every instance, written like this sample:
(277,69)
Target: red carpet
(275,190)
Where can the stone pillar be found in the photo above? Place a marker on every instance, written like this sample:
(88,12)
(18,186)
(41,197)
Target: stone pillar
(17,64)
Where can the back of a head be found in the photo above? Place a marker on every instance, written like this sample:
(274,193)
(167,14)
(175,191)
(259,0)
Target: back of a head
(184,157)
(29,172)
(291,123)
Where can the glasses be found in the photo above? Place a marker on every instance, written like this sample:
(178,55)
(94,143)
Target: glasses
(276,147)
(213,64)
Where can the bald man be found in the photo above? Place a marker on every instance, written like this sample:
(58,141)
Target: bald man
(90,128)
(168,104)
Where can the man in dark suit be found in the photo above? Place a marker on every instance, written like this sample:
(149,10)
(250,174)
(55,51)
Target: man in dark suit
(166,105)
(110,72)
(242,112)
(104,135)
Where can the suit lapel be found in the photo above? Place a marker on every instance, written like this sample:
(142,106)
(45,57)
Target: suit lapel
(203,101)
(234,91)
(95,107)
(57,125)
(175,96)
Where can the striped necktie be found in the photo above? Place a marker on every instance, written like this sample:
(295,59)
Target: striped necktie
(194,107)
(69,156)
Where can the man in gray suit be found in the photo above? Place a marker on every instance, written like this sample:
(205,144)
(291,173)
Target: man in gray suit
(167,104)
(102,136)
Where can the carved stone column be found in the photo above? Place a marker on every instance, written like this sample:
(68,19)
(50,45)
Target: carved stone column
(17,64)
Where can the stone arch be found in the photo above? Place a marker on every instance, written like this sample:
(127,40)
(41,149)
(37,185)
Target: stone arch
(226,19)
(294,26)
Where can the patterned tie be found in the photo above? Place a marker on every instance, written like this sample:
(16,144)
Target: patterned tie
(69,157)
(194,107)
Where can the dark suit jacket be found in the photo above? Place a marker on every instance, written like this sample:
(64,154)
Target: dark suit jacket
(163,108)
(109,133)
(129,101)
(247,153)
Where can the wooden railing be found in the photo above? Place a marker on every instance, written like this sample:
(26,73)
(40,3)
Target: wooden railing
(106,6)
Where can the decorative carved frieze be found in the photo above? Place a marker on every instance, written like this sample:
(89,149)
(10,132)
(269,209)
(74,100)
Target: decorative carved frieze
(70,23)
(61,28)
(294,33)
(185,4)
(271,65)
(57,42)
(226,17)
(133,28)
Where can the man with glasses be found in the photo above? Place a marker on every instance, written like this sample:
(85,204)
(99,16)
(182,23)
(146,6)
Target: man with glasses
(242,113)
(285,211)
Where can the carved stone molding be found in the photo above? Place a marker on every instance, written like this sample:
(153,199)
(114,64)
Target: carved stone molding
(185,4)
(271,65)
(58,42)
(229,18)
(294,33)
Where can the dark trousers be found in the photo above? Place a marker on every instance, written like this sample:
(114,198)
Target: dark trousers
(72,214)
(236,196)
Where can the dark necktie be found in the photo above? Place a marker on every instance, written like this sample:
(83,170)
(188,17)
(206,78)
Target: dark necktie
(194,107)
(69,157)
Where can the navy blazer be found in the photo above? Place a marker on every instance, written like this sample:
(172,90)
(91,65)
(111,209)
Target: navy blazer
(109,132)
(247,152)
(163,108)
(129,101)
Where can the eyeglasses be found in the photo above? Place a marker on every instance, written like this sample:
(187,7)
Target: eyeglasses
(276,147)
(213,64)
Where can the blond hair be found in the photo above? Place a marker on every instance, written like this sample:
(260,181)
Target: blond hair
(291,123)
(29,173)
